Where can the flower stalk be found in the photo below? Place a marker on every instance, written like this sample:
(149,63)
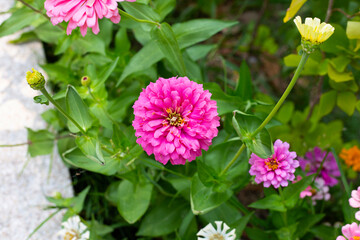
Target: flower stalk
(299,68)
(123,13)
(59,108)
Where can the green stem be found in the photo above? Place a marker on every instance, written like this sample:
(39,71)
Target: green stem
(59,108)
(284,214)
(123,13)
(241,149)
(299,68)
(319,169)
(343,177)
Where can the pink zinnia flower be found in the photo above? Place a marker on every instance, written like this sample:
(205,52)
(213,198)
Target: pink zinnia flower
(175,119)
(277,169)
(82,13)
(320,192)
(354,201)
(312,162)
(351,232)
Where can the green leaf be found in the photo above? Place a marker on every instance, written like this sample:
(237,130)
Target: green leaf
(143,59)
(112,192)
(78,201)
(336,42)
(346,101)
(140,11)
(21,18)
(305,223)
(241,224)
(90,146)
(188,227)
(89,43)
(164,7)
(104,74)
(327,103)
(339,76)
(40,142)
(77,158)
(272,202)
(324,232)
(194,31)
(353,30)
(358,106)
(285,112)
(48,33)
(244,85)
(340,63)
(168,214)
(134,199)
(41,99)
(286,233)
(204,199)
(260,144)
(225,103)
(122,42)
(77,109)
(166,40)
(199,51)
(293,190)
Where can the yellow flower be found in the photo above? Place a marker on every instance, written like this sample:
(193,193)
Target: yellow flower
(35,79)
(313,31)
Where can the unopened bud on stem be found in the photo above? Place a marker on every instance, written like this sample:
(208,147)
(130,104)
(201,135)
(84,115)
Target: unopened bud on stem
(85,81)
(35,79)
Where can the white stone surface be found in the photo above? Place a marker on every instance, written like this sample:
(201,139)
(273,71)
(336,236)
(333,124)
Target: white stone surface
(23,196)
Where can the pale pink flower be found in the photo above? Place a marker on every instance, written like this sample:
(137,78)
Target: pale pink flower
(277,169)
(319,192)
(175,119)
(350,231)
(354,201)
(82,13)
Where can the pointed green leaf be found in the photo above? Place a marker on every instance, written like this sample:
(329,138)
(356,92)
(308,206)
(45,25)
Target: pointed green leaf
(166,40)
(40,142)
(244,85)
(141,11)
(77,109)
(91,148)
(272,202)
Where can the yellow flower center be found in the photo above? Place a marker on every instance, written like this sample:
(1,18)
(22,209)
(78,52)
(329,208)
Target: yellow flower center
(217,236)
(71,236)
(272,163)
(356,238)
(174,118)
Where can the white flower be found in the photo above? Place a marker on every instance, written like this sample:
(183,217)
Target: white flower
(322,192)
(74,229)
(209,232)
(314,31)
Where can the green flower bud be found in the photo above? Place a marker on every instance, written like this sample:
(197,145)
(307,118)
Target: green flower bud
(35,79)
(308,46)
(85,81)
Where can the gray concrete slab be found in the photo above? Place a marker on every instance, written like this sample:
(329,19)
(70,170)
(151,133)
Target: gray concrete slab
(23,196)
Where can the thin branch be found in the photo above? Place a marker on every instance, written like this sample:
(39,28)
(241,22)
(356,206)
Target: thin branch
(30,142)
(345,14)
(329,11)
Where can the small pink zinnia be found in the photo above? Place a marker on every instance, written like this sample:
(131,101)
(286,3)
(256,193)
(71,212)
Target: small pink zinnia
(82,13)
(175,119)
(354,201)
(320,192)
(277,169)
(350,231)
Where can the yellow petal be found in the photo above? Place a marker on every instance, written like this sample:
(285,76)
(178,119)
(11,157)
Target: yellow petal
(293,9)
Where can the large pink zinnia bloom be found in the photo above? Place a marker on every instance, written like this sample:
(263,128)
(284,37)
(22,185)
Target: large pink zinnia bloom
(351,232)
(277,169)
(82,13)
(175,119)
